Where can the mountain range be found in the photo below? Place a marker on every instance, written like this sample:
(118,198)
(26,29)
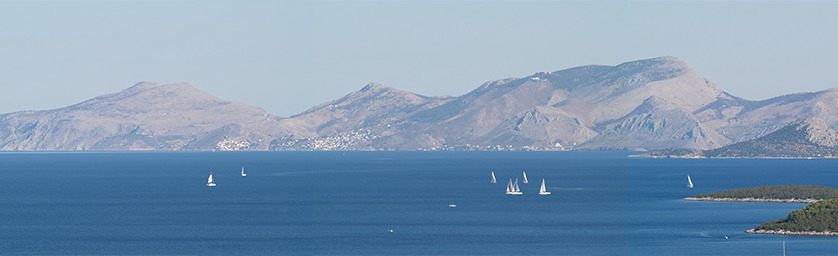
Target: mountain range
(649,104)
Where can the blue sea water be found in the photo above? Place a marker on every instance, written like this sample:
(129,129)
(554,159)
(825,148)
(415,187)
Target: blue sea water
(346,203)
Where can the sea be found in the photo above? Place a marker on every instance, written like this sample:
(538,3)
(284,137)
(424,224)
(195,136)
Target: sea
(392,203)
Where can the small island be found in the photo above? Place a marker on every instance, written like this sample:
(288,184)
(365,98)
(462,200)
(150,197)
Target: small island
(780,194)
(818,218)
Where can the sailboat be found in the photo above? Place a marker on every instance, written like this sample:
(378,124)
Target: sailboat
(493,178)
(525,178)
(543,191)
(512,188)
(210,183)
(689,182)
(243,174)
(509,187)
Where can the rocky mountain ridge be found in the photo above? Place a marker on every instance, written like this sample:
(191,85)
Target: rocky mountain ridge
(146,116)
(649,104)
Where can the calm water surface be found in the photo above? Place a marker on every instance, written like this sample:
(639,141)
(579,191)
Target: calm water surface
(603,203)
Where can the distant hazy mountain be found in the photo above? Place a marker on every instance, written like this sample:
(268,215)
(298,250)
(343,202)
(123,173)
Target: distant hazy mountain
(146,116)
(646,104)
(655,103)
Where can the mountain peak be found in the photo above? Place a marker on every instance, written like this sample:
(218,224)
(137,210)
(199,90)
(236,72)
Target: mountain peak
(379,90)
(375,87)
(145,95)
(147,116)
(658,64)
(145,84)
(148,85)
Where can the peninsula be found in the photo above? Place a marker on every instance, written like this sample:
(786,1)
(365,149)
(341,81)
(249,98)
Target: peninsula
(780,194)
(818,218)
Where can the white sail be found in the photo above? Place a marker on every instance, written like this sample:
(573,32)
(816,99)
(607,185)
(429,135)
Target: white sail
(509,187)
(512,188)
(243,174)
(493,177)
(210,183)
(525,178)
(543,190)
(689,182)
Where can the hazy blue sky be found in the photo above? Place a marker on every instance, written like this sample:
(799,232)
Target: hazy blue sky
(289,56)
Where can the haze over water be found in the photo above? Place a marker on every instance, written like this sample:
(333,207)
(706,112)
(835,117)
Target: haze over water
(603,203)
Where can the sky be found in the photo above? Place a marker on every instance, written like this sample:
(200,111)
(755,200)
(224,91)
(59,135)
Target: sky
(288,56)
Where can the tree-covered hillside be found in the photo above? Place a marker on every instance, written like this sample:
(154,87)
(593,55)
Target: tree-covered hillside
(777,192)
(821,216)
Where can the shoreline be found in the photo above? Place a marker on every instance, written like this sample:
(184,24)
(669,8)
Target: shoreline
(751,199)
(792,233)
(735,157)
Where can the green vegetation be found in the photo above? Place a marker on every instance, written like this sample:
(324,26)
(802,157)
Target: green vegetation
(777,192)
(818,217)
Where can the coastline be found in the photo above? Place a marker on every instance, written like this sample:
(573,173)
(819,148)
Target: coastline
(733,157)
(751,199)
(792,233)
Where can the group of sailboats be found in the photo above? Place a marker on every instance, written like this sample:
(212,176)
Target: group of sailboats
(512,188)
(211,182)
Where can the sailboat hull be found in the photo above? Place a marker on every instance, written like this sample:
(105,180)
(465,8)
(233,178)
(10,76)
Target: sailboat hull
(211,185)
(543,193)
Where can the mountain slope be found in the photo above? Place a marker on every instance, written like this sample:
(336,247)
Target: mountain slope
(146,116)
(805,138)
(567,109)
(649,104)
(375,105)
(646,104)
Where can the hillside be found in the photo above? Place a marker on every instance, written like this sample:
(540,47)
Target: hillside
(775,193)
(651,104)
(146,116)
(802,139)
(819,218)
(583,107)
